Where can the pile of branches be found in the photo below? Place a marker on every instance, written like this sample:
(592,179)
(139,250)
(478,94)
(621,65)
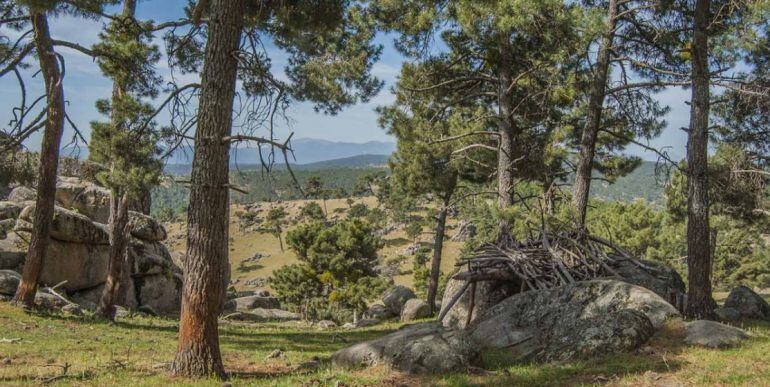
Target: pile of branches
(552,260)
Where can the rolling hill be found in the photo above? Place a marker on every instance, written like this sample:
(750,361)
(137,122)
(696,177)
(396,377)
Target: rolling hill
(355,162)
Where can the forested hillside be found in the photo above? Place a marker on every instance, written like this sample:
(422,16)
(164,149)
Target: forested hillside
(339,176)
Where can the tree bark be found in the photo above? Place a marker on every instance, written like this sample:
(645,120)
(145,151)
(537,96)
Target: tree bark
(116,284)
(207,270)
(582,187)
(700,303)
(435,265)
(505,154)
(49,161)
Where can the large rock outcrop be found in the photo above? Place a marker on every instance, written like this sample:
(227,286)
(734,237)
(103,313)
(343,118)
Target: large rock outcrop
(81,265)
(146,227)
(415,309)
(487,295)
(655,276)
(22,194)
(579,320)
(162,293)
(78,253)
(395,298)
(67,226)
(420,348)
(89,298)
(86,197)
(149,258)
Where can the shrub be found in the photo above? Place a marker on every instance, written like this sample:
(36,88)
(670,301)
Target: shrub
(336,273)
(312,211)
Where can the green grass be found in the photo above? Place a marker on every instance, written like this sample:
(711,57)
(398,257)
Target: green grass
(137,351)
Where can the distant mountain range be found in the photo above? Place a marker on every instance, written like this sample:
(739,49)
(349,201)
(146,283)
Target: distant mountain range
(353,162)
(308,153)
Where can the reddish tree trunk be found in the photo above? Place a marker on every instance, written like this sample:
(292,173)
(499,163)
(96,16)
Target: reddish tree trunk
(49,161)
(115,284)
(700,303)
(207,270)
(582,187)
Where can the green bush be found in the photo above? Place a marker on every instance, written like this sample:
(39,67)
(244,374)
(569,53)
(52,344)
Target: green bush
(312,211)
(336,273)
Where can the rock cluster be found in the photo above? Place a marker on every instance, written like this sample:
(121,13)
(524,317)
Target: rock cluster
(398,301)
(583,319)
(579,320)
(78,252)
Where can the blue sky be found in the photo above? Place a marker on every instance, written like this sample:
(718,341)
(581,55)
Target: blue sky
(84,84)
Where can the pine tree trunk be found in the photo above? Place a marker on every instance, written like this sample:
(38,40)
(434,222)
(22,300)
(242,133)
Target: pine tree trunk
(505,160)
(582,187)
(207,270)
(700,303)
(49,161)
(435,265)
(115,283)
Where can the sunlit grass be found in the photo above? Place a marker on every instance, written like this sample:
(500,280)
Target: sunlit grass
(138,350)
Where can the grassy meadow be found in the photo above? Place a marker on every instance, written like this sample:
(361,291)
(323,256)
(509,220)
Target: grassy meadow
(244,244)
(36,349)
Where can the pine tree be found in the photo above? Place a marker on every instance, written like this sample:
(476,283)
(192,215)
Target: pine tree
(700,41)
(621,109)
(510,59)
(126,146)
(425,169)
(330,61)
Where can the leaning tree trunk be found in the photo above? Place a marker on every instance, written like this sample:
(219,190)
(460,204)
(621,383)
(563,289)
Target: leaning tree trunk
(582,187)
(207,270)
(505,153)
(435,265)
(700,303)
(49,161)
(115,284)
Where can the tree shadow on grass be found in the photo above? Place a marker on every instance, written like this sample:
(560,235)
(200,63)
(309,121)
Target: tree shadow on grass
(395,242)
(311,341)
(246,268)
(656,358)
